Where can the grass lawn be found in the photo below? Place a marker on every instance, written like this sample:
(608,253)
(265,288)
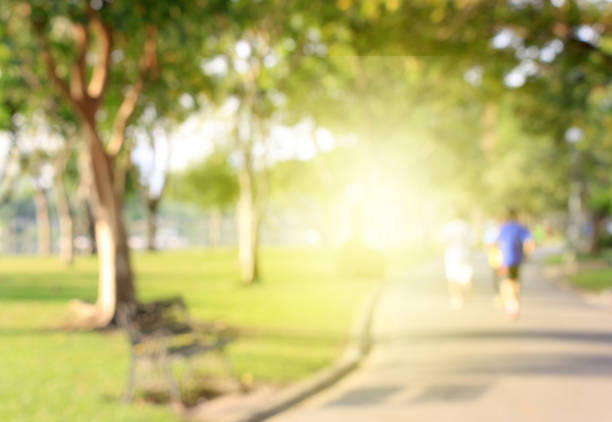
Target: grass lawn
(596,280)
(555,259)
(304,310)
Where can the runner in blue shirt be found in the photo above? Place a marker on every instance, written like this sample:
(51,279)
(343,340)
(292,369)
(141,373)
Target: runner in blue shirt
(493,254)
(513,241)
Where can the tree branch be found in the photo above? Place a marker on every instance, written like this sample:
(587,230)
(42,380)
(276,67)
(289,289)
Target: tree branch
(50,64)
(77,72)
(123,115)
(29,77)
(148,65)
(10,153)
(99,79)
(607,58)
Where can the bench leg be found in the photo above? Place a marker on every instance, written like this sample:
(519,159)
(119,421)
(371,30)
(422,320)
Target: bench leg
(128,394)
(175,397)
(229,368)
(189,373)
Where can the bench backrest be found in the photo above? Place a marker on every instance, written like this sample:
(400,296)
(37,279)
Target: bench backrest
(158,318)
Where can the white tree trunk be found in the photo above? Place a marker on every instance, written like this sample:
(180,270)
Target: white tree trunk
(91,230)
(214,227)
(152,205)
(248,228)
(115,283)
(107,264)
(42,222)
(66,242)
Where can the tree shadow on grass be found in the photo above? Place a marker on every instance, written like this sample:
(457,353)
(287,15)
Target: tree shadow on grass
(289,336)
(39,331)
(41,289)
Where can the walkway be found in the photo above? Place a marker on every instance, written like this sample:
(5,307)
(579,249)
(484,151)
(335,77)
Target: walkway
(435,364)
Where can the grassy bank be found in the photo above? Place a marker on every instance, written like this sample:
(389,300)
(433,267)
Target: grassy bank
(302,311)
(594,272)
(595,279)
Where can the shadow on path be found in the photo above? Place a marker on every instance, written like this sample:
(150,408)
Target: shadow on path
(499,335)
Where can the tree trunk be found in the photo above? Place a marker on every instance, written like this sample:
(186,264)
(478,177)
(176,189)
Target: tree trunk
(91,229)
(596,220)
(214,227)
(66,250)
(152,205)
(115,284)
(105,184)
(576,206)
(84,191)
(248,228)
(42,221)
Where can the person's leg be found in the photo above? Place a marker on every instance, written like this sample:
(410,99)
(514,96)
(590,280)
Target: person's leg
(494,259)
(510,288)
(514,276)
(466,290)
(456,296)
(495,280)
(504,285)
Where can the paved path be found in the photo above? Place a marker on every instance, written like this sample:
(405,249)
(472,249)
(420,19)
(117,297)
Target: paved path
(435,364)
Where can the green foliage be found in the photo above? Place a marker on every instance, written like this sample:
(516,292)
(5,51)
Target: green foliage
(211,185)
(322,179)
(328,63)
(175,73)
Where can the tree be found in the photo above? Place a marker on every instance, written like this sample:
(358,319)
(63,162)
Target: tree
(63,205)
(41,202)
(212,185)
(556,93)
(543,58)
(261,50)
(151,156)
(130,43)
(24,97)
(151,151)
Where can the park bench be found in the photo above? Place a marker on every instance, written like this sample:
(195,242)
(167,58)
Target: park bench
(161,331)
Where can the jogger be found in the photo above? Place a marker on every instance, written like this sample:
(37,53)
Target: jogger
(513,241)
(456,236)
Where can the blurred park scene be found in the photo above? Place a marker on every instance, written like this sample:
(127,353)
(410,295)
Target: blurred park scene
(235,184)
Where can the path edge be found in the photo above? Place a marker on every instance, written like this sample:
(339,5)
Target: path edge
(358,348)
(561,277)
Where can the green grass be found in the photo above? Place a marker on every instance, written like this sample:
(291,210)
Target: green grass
(581,257)
(595,280)
(303,311)
(555,259)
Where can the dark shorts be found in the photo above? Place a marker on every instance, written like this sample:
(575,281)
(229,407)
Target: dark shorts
(511,272)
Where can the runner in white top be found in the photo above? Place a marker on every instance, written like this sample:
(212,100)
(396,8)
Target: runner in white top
(457,239)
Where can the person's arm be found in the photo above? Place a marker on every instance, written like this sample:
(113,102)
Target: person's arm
(490,239)
(528,242)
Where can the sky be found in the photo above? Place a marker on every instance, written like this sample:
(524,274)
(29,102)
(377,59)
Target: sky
(4,149)
(193,140)
(189,143)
